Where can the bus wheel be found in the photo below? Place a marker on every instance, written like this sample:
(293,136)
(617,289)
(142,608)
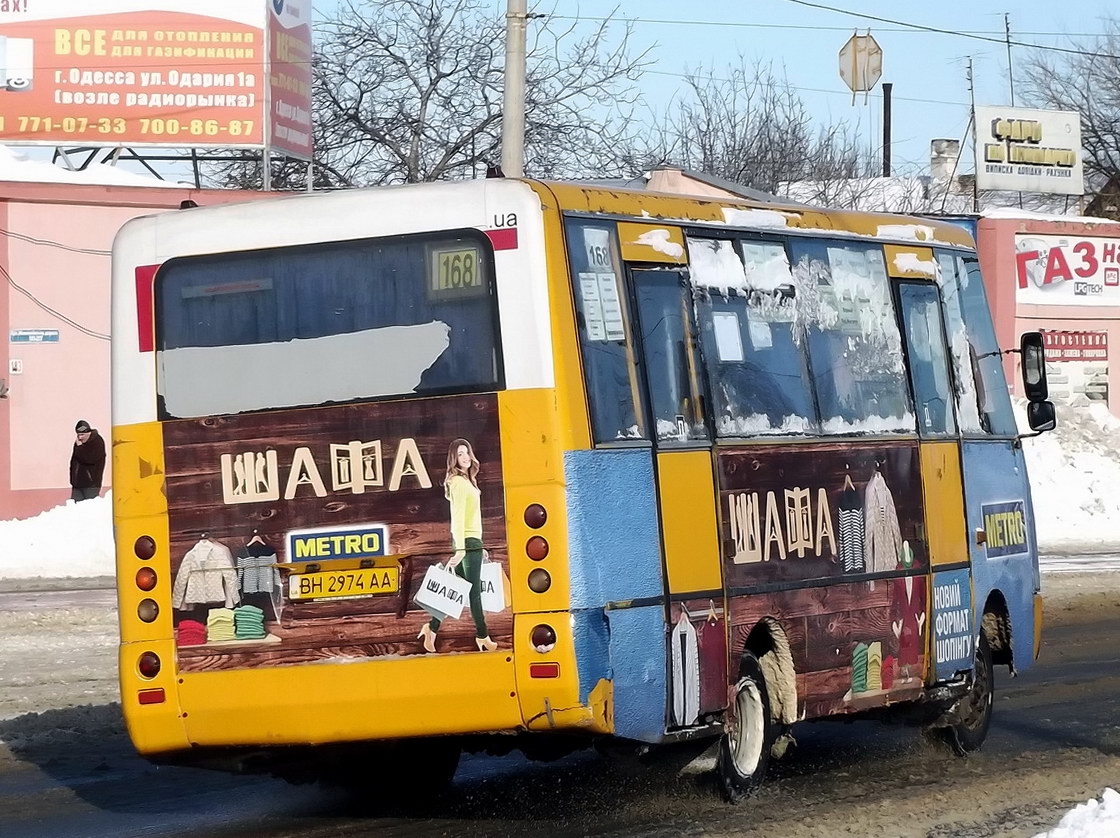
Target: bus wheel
(744,748)
(973,714)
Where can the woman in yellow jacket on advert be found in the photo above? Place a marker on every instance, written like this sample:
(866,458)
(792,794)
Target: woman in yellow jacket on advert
(460,487)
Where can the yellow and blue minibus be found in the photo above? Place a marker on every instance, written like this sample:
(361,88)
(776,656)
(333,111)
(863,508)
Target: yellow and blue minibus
(529,462)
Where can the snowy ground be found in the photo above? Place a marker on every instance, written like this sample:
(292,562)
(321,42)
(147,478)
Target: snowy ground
(1094,819)
(1074,473)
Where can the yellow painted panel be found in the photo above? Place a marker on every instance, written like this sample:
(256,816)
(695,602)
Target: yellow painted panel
(573,425)
(152,727)
(659,243)
(384,699)
(736,213)
(908,262)
(944,501)
(533,472)
(553,703)
(1037,625)
(686,486)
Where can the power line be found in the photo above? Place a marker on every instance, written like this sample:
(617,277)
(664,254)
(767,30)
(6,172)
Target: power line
(49,243)
(939,31)
(798,26)
(50,310)
(702,76)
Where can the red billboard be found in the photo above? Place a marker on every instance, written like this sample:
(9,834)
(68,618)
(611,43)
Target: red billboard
(146,72)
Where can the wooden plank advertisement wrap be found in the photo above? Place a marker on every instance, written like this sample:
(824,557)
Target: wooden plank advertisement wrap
(828,541)
(343,471)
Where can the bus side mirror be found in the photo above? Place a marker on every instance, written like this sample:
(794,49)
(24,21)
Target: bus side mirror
(1040,416)
(1033,362)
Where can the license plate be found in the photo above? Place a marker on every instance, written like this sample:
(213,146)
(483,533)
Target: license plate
(366,581)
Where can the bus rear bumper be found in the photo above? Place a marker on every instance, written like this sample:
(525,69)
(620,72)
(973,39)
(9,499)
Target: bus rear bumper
(340,701)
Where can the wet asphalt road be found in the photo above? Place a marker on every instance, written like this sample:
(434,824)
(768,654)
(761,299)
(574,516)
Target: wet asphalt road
(73,773)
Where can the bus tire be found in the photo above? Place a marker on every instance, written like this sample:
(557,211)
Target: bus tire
(744,748)
(973,714)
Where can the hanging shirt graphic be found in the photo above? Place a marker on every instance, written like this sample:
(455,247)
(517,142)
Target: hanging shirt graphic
(686,672)
(206,575)
(883,540)
(851,532)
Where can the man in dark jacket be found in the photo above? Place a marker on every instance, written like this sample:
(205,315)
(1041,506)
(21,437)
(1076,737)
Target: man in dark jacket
(87,463)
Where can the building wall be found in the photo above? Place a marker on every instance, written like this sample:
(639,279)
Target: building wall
(66,379)
(996,240)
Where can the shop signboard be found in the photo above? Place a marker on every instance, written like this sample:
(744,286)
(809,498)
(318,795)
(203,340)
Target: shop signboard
(1067,270)
(1026,150)
(156,73)
(1077,365)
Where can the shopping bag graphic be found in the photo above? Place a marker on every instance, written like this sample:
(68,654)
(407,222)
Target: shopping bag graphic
(495,587)
(442,593)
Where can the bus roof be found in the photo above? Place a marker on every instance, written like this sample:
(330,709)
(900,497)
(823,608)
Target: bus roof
(741,213)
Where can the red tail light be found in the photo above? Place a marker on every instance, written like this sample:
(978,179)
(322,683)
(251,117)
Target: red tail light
(145,547)
(543,638)
(535,516)
(536,548)
(149,665)
(155,696)
(544,670)
(145,579)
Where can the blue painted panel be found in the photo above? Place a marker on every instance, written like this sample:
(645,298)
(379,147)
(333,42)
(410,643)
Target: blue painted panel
(995,477)
(614,543)
(637,650)
(591,633)
(954,626)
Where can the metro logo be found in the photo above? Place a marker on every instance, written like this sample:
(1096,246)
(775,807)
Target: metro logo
(361,542)
(1005,528)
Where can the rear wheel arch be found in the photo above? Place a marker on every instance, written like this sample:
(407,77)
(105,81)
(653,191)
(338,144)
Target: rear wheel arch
(996,625)
(769,644)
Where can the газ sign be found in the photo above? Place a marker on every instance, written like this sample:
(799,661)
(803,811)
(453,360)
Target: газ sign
(1024,150)
(156,73)
(1067,270)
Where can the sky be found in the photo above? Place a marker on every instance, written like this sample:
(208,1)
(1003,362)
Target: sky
(927,70)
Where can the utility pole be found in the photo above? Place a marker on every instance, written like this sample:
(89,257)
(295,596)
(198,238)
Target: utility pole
(887,128)
(513,94)
(1010,73)
(972,122)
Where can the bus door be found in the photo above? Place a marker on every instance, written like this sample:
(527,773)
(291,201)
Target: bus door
(950,630)
(682,439)
(998,503)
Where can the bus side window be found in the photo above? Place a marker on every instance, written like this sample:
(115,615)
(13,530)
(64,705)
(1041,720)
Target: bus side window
(983,402)
(746,314)
(855,349)
(609,363)
(925,355)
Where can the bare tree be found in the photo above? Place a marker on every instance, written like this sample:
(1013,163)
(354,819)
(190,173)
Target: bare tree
(1086,81)
(749,125)
(411,90)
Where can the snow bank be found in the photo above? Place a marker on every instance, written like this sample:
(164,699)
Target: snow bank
(1074,471)
(75,539)
(1093,819)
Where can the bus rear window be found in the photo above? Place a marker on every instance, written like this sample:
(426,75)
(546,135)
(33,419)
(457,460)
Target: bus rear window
(326,323)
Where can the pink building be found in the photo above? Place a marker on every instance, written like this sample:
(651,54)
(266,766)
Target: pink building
(1061,278)
(55,240)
